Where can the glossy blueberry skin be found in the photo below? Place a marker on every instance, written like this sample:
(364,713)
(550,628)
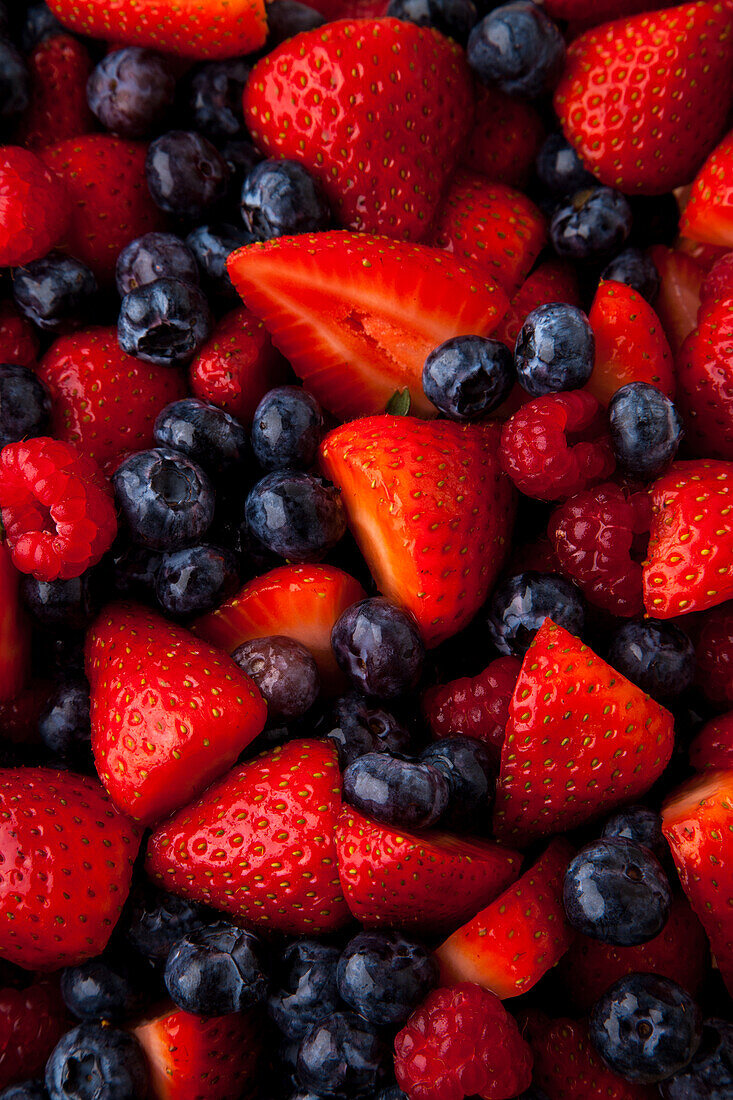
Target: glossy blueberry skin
(341,1056)
(453,18)
(392,1092)
(280,198)
(166,322)
(646,430)
(517,49)
(296,515)
(14,82)
(156,920)
(468,377)
(559,168)
(637,270)
(555,349)
(379,647)
(286,18)
(186,174)
(65,725)
(100,989)
(134,569)
(56,293)
(646,1027)
(205,433)
(469,770)
(284,671)
(131,91)
(357,726)
(155,256)
(166,500)
(287,429)
(69,605)
(304,987)
(196,579)
(26,1090)
(91,1062)
(656,655)
(25,404)
(640,824)
(240,156)
(211,246)
(215,99)
(591,225)
(216,970)
(520,605)
(709,1076)
(410,794)
(384,976)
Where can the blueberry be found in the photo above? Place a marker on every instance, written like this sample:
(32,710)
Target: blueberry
(384,976)
(559,168)
(196,579)
(468,377)
(646,1028)
(101,989)
(520,605)
(555,349)
(284,671)
(26,1090)
(379,647)
(205,433)
(131,91)
(212,245)
(468,766)
(70,605)
(92,1062)
(166,322)
(657,656)
(640,824)
(157,920)
(304,988)
(25,404)
(592,225)
(296,515)
(357,726)
(39,23)
(637,270)
(400,792)
(240,157)
(14,82)
(215,99)
(453,18)
(280,198)
(286,429)
(135,569)
(392,1092)
(286,18)
(186,174)
(166,499)
(56,293)
(155,256)
(517,49)
(215,970)
(65,725)
(342,1055)
(709,1076)
(646,429)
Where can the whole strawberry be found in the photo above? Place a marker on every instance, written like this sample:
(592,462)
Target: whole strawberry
(32,1021)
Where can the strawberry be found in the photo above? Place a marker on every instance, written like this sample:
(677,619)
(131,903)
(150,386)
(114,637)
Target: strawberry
(708,213)
(169,713)
(630,343)
(18,339)
(430,509)
(697,821)
(717,282)
(193,28)
(427,883)
(261,843)
(59,67)
(678,299)
(297,601)
(15,632)
(645,99)
(552,281)
(508,946)
(712,749)
(73,853)
(474,706)
(591,12)
(505,138)
(105,402)
(350,9)
(705,374)
(32,1021)
(703,254)
(111,204)
(581,739)
(377,110)
(35,207)
(356,315)
(714,655)
(689,564)
(498,228)
(19,717)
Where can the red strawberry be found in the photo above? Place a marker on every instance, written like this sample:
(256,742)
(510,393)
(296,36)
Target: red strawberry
(193,28)
(32,1021)
(170,714)
(34,207)
(20,716)
(298,601)
(581,739)
(645,99)
(430,509)
(260,844)
(59,67)
(552,281)
(630,343)
(428,883)
(678,299)
(356,316)
(377,110)
(18,339)
(708,214)
(718,281)
(15,634)
(498,228)
(703,254)
(712,749)
(689,564)
(591,12)
(509,945)
(714,653)
(697,821)
(111,204)
(474,706)
(73,853)
(505,138)
(705,374)
(350,9)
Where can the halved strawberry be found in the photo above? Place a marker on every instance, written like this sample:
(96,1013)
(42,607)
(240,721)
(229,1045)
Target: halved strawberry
(678,300)
(552,281)
(712,749)
(356,315)
(505,138)
(705,376)
(708,214)
(631,345)
(15,632)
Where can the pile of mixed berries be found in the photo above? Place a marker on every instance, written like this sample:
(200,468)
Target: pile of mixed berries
(366,550)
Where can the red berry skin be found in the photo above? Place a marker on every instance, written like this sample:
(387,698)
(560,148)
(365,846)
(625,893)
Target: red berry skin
(705,381)
(474,706)
(32,1021)
(19,717)
(714,653)
(551,281)
(505,138)
(15,633)
(718,281)
(34,207)
(59,67)
(713,746)
(18,340)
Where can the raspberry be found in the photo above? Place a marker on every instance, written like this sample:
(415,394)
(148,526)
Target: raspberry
(552,447)
(474,706)
(462,1042)
(713,746)
(34,207)
(18,340)
(57,508)
(715,655)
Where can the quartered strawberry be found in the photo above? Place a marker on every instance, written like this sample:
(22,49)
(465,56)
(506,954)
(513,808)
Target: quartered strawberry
(705,377)
(474,706)
(356,315)
(298,601)
(713,747)
(645,99)
(15,632)
(18,339)
(581,739)
(708,213)
(678,300)
(59,67)
(506,136)
(689,564)
(500,229)
(261,843)
(169,713)
(508,946)
(551,281)
(377,110)
(631,345)
(429,882)
(67,857)
(430,509)
(697,821)
(32,1021)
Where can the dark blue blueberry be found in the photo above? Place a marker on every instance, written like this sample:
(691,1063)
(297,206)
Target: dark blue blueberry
(357,726)
(156,920)
(212,245)
(134,569)
(646,429)
(640,824)
(379,647)
(284,671)
(385,976)
(517,49)
(196,579)
(709,1076)
(296,515)
(14,82)
(555,349)
(65,725)
(25,404)
(559,168)
(92,1062)
(392,1092)
(467,377)
(453,18)
(287,428)
(279,198)
(646,1028)
(304,988)
(70,605)
(592,225)
(39,23)
(166,500)
(101,989)
(657,656)
(637,270)
(286,18)
(26,1090)
(468,766)
(205,433)
(56,293)
(241,157)
(216,970)
(131,91)
(342,1055)
(215,100)
(186,174)
(166,322)
(155,256)
(520,605)
(407,793)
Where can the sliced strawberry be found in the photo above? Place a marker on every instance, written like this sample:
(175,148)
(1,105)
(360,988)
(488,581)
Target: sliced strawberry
(15,632)
(630,343)
(712,749)
(705,375)
(505,138)
(678,299)
(32,1021)
(552,281)
(708,214)
(474,706)
(59,67)
(356,316)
